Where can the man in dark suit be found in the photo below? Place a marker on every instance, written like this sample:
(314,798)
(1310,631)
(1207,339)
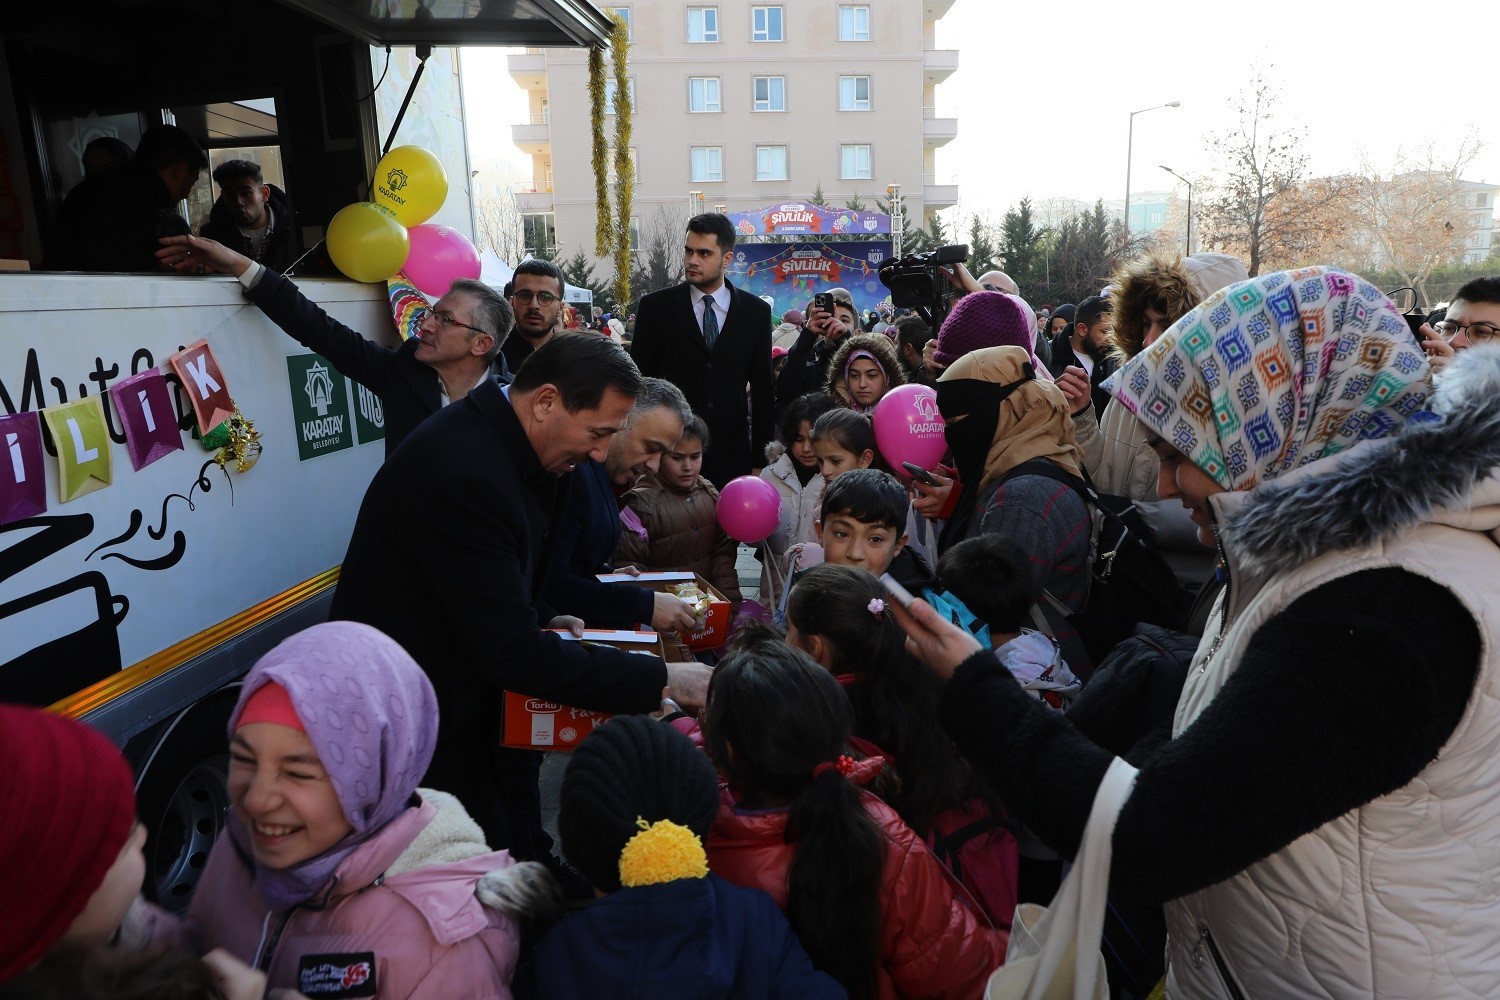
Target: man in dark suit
(449,557)
(457,344)
(709,339)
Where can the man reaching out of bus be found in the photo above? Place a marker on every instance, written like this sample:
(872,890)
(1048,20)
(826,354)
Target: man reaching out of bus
(455,350)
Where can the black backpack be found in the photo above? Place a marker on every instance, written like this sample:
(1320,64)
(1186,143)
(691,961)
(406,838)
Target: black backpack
(1130,582)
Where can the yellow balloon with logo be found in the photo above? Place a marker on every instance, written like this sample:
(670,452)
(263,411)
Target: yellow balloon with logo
(411,182)
(366,242)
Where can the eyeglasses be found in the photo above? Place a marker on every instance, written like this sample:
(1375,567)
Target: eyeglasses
(1478,333)
(445,318)
(526,295)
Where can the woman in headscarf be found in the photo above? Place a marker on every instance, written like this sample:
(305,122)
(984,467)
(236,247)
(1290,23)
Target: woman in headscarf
(336,871)
(1002,421)
(863,369)
(1322,820)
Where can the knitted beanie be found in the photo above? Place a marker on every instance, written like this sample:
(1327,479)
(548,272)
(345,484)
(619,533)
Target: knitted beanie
(631,767)
(67,806)
(980,320)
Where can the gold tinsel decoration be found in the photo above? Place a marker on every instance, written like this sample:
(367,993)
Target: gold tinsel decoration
(243,447)
(624,169)
(603,223)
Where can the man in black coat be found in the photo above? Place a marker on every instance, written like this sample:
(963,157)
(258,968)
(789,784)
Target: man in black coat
(458,339)
(449,557)
(711,355)
(252,216)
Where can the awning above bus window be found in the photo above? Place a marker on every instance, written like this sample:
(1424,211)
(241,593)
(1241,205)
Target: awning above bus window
(463,22)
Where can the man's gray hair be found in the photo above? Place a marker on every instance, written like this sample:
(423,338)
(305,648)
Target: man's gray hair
(491,312)
(658,392)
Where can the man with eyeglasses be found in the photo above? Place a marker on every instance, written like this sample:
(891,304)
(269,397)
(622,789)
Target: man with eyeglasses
(457,344)
(1473,318)
(536,297)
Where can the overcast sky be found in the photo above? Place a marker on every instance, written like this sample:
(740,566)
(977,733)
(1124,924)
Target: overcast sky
(1043,93)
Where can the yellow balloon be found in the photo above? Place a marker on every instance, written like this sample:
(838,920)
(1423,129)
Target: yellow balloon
(411,182)
(366,242)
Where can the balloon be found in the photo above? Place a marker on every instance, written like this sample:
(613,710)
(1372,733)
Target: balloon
(411,182)
(749,509)
(366,242)
(439,257)
(908,427)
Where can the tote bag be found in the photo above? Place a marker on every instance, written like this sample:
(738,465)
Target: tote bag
(1054,950)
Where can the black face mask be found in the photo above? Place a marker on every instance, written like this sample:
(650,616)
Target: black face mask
(970,438)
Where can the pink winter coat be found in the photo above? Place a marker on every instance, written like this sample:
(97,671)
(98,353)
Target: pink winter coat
(402,912)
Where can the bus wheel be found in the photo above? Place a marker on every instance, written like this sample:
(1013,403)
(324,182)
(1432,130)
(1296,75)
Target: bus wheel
(183,798)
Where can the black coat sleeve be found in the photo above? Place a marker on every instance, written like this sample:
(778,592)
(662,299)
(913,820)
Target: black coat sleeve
(762,385)
(791,383)
(572,587)
(646,345)
(367,363)
(1264,763)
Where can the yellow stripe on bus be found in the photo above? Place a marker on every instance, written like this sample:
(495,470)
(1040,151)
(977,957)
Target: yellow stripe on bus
(127,680)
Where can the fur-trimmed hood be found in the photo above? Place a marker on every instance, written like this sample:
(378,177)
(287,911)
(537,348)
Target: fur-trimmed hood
(877,344)
(1171,285)
(1443,467)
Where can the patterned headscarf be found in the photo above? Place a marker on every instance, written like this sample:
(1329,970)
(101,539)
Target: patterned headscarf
(1275,372)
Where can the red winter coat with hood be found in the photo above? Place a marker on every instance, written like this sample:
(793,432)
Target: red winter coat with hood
(932,943)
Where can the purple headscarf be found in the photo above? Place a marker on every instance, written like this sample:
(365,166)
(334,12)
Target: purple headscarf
(371,714)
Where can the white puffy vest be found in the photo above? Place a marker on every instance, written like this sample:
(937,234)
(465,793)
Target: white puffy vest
(1398,898)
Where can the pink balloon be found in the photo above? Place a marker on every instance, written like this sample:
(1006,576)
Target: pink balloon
(909,428)
(749,509)
(439,257)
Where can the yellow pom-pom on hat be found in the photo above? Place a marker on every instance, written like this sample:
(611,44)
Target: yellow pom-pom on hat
(662,852)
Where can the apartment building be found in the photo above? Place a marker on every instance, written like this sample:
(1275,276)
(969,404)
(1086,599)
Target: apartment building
(740,105)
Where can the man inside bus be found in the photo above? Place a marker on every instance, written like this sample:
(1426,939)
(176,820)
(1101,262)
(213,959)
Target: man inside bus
(535,292)
(252,216)
(450,555)
(457,342)
(111,221)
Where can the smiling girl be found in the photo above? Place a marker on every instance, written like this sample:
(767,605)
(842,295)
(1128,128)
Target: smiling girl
(335,868)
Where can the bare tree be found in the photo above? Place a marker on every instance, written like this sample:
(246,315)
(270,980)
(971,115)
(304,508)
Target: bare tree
(1262,211)
(658,263)
(1416,216)
(498,225)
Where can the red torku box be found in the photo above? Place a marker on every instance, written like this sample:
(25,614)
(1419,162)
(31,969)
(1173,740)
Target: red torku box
(715,630)
(536,724)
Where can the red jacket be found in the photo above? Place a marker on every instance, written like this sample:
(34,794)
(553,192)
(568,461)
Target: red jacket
(932,944)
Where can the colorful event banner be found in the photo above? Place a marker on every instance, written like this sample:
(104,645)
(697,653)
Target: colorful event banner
(204,384)
(84,462)
(805,219)
(23,483)
(144,404)
(788,274)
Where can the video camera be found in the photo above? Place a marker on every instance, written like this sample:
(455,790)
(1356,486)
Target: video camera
(916,283)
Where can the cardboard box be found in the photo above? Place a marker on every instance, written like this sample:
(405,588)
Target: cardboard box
(536,724)
(715,630)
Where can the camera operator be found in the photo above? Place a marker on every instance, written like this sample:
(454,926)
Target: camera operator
(830,318)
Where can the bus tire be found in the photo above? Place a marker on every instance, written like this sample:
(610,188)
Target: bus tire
(182,799)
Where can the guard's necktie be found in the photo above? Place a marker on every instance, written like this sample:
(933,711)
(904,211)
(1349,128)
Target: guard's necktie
(710,322)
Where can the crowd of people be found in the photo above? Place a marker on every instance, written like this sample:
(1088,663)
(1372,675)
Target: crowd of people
(902,738)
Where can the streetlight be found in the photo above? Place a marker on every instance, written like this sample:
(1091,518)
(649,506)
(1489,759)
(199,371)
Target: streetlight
(1129,147)
(1189,240)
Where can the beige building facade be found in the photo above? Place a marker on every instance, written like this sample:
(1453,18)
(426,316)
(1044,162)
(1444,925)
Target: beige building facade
(742,105)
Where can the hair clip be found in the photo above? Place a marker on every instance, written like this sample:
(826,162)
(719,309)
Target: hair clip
(843,765)
(876,607)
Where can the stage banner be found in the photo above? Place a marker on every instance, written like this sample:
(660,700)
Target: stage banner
(787,275)
(806,219)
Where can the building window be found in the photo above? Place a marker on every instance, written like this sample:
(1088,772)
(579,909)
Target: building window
(539,232)
(854,162)
(703,24)
(1481,200)
(635,234)
(708,163)
(624,13)
(854,93)
(770,93)
(765,25)
(610,87)
(854,23)
(770,163)
(703,93)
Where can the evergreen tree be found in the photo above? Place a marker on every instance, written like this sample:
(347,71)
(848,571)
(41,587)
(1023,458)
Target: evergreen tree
(818,198)
(856,203)
(982,252)
(908,235)
(1021,250)
(1084,255)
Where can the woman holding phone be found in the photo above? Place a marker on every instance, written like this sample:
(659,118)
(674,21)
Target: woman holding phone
(1320,822)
